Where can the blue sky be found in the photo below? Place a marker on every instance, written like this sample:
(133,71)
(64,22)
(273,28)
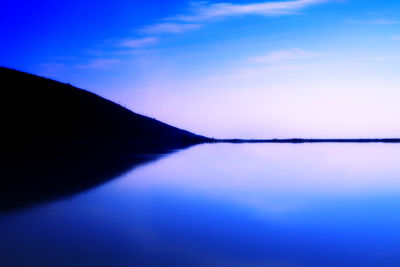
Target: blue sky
(251,69)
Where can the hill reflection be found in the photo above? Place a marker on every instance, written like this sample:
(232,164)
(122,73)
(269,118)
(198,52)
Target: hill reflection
(29,179)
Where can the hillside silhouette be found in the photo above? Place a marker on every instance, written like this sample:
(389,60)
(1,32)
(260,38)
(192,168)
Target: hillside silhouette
(58,140)
(36,111)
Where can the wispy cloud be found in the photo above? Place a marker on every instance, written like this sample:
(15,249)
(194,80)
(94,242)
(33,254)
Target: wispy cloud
(99,63)
(169,28)
(379,21)
(284,55)
(52,69)
(387,58)
(138,43)
(274,62)
(204,10)
(200,11)
(197,14)
(396,37)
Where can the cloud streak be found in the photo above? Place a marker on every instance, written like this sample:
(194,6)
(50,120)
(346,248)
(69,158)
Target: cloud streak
(379,21)
(99,63)
(169,28)
(284,55)
(396,37)
(387,58)
(201,11)
(139,43)
(205,11)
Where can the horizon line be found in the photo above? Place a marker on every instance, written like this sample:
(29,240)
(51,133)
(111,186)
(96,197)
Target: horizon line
(307,140)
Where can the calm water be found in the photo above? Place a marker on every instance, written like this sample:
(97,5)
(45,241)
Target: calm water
(225,205)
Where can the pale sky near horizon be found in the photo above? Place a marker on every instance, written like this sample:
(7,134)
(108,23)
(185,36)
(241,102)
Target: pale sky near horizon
(227,69)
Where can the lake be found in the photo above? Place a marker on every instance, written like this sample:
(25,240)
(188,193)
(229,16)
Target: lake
(224,205)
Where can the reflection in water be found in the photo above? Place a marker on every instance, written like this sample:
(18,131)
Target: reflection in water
(225,205)
(33,178)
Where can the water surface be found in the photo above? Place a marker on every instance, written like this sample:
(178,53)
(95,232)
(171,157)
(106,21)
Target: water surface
(225,205)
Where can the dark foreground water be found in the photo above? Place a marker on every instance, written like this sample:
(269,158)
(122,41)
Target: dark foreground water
(225,205)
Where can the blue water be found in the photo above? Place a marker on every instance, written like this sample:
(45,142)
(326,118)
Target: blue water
(225,205)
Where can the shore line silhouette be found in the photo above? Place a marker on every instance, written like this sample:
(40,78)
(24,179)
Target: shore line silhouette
(59,140)
(306,140)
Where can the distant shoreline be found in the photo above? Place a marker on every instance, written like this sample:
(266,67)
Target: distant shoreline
(301,140)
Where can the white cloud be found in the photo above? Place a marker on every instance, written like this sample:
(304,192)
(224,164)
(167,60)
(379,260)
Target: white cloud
(169,28)
(99,64)
(379,21)
(205,10)
(200,11)
(138,43)
(284,55)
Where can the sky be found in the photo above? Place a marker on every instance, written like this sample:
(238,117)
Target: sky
(224,69)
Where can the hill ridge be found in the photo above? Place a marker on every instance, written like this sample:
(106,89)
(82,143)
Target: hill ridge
(38,109)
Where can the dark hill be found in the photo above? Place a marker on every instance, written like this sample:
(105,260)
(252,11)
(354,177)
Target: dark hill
(58,140)
(36,110)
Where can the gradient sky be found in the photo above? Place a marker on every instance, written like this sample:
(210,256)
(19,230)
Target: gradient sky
(249,69)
